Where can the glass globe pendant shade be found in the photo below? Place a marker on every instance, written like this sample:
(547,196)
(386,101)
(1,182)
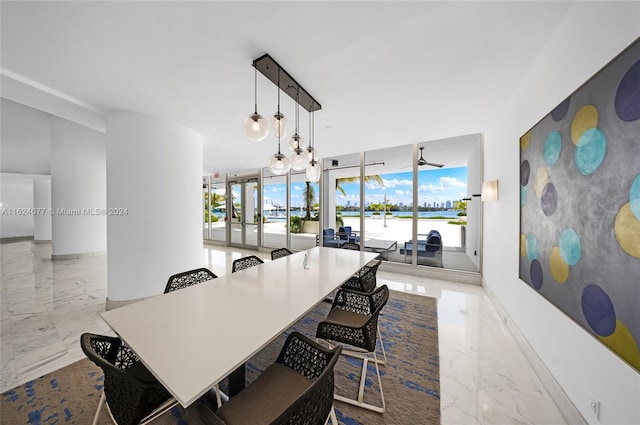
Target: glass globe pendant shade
(311,153)
(299,160)
(313,171)
(256,127)
(279,125)
(296,142)
(279,164)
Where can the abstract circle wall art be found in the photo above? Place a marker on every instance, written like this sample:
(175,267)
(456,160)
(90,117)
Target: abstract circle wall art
(580,206)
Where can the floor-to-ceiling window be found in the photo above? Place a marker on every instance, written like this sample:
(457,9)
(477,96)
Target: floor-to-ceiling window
(274,196)
(343,199)
(305,218)
(428,191)
(409,191)
(214,202)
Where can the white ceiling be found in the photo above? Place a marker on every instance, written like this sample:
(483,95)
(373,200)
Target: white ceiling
(386,73)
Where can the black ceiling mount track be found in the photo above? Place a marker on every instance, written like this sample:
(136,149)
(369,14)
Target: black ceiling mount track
(269,68)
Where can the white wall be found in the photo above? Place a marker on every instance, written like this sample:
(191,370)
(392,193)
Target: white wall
(589,37)
(78,189)
(154,171)
(16,196)
(25,139)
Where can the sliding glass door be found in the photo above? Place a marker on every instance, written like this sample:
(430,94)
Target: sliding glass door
(243,212)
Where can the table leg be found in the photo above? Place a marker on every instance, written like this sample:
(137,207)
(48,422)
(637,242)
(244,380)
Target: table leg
(236,381)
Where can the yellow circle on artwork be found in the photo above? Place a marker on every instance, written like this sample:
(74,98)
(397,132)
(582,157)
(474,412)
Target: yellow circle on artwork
(627,230)
(622,342)
(559,267)
(523,245)
(525,140)
(585,118)
(541,180)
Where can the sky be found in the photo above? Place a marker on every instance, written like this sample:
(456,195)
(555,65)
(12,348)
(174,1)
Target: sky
(434,186)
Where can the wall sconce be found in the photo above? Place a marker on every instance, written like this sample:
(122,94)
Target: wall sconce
(490,191)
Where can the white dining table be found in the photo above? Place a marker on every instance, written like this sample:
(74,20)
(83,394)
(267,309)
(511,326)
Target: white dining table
(193,338)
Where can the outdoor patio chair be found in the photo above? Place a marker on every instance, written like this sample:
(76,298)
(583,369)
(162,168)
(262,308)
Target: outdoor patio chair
(429,247)
(245,263)
(279,253)
(346,234)
(188,278)
(353,320)
(330,239)
(351,245)
(296,389)
(132,393)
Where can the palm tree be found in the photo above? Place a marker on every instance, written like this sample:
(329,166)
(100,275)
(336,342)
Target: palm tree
(309,195)
(367,179)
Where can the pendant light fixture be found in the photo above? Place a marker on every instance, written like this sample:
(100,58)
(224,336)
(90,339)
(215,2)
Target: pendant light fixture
(298,158)
(279,122)
(255,126)
(279,164)
(313,168)
(302,154)
(296,141)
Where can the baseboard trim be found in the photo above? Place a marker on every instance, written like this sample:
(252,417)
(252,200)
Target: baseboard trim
(42,241)
(58,257)
(451,275)
(563,402)
(14,239)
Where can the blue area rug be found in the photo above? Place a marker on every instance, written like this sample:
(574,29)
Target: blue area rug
(410,379)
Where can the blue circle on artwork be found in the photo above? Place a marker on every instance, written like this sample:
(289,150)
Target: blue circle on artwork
(561,110)
(598,310)
(532,247)
(570,248)
(535,271)
(592,146)
(634,197)
(525,172)
(552,148)
(523,195)
(549,199)
(627,101)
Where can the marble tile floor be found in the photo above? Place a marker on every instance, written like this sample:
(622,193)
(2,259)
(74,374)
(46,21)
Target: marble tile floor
(46,305)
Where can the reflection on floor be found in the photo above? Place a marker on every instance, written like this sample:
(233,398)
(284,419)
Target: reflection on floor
(46,305)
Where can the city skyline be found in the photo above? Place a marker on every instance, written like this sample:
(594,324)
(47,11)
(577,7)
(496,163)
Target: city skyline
(435,186)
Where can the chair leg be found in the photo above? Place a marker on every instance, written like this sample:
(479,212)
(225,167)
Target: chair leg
(360,401)
(361,355)
(100,403)
(161,410)
(332,417)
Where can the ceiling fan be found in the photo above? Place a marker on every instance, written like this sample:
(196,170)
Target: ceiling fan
(422,161)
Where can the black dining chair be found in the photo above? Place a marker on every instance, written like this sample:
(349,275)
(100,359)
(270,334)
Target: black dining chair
(279,253)
(188,278)
(353,320)
(364,280)
(297,389)
(245,263)
(132,394)
(184,280)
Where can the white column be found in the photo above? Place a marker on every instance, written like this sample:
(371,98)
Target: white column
(78,190)
(42,229)
(154,178)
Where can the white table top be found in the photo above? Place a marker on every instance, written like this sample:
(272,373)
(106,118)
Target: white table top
(193,338)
